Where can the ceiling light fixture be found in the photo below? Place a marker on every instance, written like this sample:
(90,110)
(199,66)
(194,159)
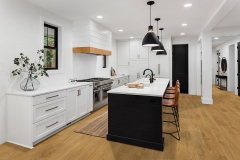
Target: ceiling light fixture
(188,5)
(216,38)
(131,37)
(182,34)
(160,47)
(150,38)
(120,30)
(184,24)
(99,17)
(161,52)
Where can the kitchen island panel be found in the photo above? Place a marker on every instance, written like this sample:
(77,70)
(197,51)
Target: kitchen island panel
(135,120)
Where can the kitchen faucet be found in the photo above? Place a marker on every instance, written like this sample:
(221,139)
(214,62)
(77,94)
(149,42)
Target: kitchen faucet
(148,75)
(151,78)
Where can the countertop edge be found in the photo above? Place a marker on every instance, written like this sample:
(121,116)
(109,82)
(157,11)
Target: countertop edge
(46,90)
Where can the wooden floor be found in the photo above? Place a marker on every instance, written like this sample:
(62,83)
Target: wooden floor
(207,132)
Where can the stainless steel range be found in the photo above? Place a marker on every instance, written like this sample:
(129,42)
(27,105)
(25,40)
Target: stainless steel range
(100,88)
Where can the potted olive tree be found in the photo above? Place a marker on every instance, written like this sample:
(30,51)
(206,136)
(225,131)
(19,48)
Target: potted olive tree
(33,69)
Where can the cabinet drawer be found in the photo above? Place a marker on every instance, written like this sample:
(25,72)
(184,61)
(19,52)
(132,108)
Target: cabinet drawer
(44,127)
(45,110)
(48,97)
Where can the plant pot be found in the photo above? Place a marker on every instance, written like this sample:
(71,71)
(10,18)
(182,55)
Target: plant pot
(29,84)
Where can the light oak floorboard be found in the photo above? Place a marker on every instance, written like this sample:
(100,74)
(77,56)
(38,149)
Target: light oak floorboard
(207,132)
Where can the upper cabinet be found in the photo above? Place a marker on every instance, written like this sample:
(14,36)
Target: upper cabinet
(123,53)
(137,50)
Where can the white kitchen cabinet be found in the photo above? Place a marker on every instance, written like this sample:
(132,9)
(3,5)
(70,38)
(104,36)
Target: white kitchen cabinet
(137,50)
(34,116)
(90,98)
(160,64)
(82,103)
(143,51)
(137,66)
(123,53)
(72,104)
(78,102)
(134,49)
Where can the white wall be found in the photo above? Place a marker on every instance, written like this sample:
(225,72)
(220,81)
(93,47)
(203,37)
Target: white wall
(224,50)
(21,31)
(192,62)
(112,60)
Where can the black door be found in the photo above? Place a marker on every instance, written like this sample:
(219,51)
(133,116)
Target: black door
(180,66)
(238,47)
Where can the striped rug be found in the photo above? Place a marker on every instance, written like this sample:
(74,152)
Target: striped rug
(96,127)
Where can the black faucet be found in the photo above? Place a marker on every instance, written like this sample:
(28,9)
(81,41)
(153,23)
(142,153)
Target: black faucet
(148,75)
(151,78)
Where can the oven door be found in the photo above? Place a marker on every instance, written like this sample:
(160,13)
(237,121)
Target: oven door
(96,98)
(105,88)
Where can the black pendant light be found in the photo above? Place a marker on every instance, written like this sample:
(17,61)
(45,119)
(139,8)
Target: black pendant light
(160,46)
(150,38)
(164,51)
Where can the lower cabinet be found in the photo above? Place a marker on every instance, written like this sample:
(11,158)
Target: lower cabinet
(120,81)
(80,102)
(32,119)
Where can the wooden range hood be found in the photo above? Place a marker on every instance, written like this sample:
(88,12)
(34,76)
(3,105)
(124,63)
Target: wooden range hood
(91,50)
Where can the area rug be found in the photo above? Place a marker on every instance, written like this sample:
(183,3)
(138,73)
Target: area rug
(96,127)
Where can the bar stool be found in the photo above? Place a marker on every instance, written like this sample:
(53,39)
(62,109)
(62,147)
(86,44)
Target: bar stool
(173,88)
(173,104)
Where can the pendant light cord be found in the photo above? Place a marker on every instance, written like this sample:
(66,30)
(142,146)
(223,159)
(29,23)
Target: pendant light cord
(150,15)
(161,35)
(157,28)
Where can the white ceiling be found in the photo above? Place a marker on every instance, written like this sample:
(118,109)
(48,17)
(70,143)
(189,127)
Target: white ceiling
(232,18)
(133,15)
(221,40)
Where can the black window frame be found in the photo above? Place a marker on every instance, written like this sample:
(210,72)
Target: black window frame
(55,44)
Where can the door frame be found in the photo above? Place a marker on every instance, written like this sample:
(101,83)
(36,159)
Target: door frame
(171,54)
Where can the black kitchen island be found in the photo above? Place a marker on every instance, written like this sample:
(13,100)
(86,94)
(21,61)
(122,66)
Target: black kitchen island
(135,115)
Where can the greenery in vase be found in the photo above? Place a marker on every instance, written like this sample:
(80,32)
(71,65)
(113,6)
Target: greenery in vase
(33,69)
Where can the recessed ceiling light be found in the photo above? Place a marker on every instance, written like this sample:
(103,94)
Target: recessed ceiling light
(182,34)
(188,5)
(131,37)
(184,24)
(216,38)
(120,30)
(99,16)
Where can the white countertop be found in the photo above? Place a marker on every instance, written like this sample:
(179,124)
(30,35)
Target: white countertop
(118,76)
(48,89)
(156,89)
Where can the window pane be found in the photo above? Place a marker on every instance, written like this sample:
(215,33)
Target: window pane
(45,41)
(45,31)
(51,42)
(50,33)
(50,58)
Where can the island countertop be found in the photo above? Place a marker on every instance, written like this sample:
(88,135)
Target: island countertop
(156,89)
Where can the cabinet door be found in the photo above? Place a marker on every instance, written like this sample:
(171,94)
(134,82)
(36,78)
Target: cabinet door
(115,83)
(82,105)
(155,61)
(123,53)
(134,67)
(143,51)
(134,49)
(142,65)
(72,104)
(90,98)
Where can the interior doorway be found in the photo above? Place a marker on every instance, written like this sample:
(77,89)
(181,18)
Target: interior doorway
(180,66)
(231,69)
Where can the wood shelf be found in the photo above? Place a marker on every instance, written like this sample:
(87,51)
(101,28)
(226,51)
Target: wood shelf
(91,50)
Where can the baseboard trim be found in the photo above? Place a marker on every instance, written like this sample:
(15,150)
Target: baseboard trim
(207,100)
